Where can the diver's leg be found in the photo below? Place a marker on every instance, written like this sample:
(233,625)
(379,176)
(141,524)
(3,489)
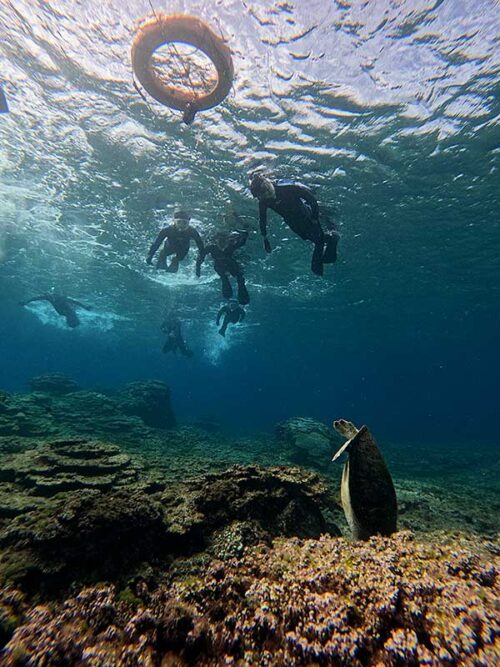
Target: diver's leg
(243,296)
(168,347)
(181,252)
(173,267)
(330,252)
(223,328)
(162,257)
(317,259)
(72,319)
(227,290)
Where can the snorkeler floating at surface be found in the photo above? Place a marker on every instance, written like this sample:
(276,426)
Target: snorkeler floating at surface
(233,313)
(222,251)
(175,341)
(63,305)
(177,239)
(299,209)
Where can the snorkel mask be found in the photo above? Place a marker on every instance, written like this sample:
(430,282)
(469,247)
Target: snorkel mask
(181,219)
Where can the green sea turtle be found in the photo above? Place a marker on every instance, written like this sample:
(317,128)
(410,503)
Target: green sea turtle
(367,491)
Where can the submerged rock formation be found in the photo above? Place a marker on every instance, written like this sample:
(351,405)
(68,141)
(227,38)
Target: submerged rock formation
(310,442)
(148,400)
(98,517)
(67,465)
(58,407)
(53,383)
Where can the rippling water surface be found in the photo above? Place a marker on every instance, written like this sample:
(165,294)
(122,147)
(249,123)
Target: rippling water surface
(389,110)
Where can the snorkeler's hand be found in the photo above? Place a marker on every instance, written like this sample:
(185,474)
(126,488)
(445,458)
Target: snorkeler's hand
(267,245)
(149,260)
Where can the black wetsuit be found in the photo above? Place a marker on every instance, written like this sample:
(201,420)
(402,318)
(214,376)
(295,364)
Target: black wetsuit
(225,264)
(299,209)
(177,242)
(232,316)
(63,305)
(174,341)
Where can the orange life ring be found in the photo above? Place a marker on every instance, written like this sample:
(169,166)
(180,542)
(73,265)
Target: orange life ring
(162,29)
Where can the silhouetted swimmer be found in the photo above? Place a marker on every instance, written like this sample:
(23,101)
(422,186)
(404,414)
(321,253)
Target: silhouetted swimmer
(177,239)
(299,209)
(233,313)
(175,341)
(63,305)
(225,265)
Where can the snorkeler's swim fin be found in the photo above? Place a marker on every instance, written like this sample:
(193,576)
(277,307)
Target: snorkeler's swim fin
(4,107)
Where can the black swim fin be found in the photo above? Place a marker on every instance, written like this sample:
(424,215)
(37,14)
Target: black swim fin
(4,107)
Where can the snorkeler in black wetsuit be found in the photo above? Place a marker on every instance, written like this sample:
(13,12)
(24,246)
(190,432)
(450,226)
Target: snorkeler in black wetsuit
(177,239)
(175,341)
(233,313)
(299,209)
(222,251)
(63,305)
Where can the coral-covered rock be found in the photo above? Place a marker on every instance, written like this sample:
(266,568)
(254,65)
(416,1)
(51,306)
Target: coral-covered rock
(53,383)
(83,536)
(66,465)
(150,401)
(310,442)
(387,602)
(87,532)
(264,501)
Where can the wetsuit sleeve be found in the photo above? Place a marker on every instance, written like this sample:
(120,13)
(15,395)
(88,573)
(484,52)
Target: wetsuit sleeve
(199,241)
(159,239)
(219,314)
(263,218)
(77,303)
(35,298)
(201,250)
(305,194)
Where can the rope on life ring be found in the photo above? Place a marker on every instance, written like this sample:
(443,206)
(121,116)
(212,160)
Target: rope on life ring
(163,29)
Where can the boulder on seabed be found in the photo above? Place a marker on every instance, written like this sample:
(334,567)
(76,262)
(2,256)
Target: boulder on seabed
(149,400)
(53,383)
(310,442)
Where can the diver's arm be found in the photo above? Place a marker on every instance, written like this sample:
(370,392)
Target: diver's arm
(263,224)
(201,250)
(154,246)
(219,314)
(242,315)
(305,194)
(201,258)
(77,303)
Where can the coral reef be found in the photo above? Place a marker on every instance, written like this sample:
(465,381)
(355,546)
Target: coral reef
(389,601)
(264,502)
(86,532)
(66,465)
(309,442)
(148,400)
